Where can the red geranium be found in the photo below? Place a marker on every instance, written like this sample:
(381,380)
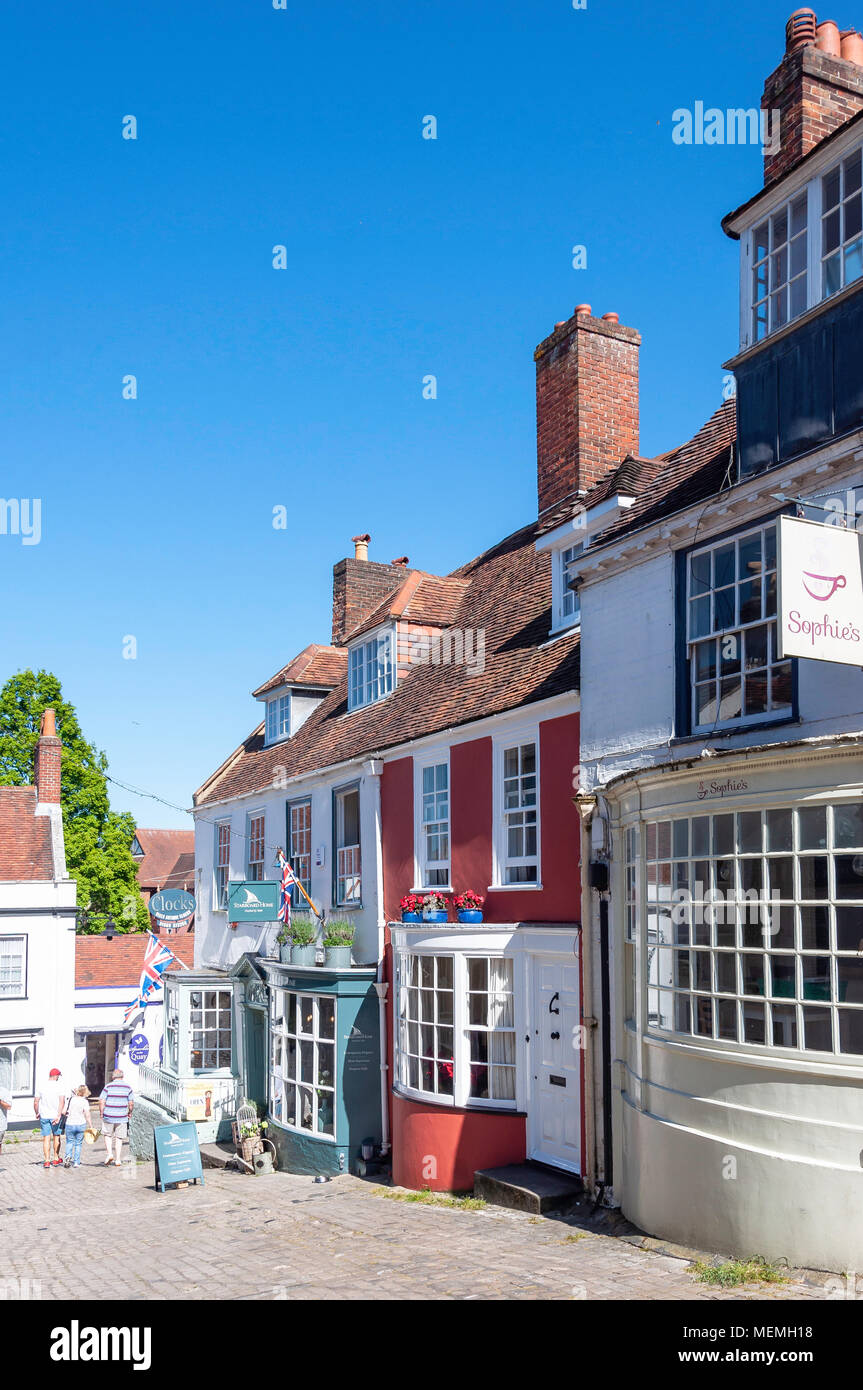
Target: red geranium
(411,902)
(469,902)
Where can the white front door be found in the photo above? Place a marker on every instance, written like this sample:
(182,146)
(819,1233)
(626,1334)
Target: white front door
(554,1062)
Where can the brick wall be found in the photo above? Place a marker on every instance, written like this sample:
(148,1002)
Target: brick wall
(46,769)
(586,404)
(814,94)
(358,587)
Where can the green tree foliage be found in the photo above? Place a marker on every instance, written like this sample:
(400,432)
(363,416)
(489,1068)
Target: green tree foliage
(98,840)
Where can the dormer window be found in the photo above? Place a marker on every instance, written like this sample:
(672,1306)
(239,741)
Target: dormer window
(371,670)
(278,718)
(565,600)
(807,248)
(136,851)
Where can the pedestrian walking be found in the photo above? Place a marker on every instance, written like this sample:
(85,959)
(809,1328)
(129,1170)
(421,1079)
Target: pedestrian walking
(115,1107)
(48,1107)
(77,1121)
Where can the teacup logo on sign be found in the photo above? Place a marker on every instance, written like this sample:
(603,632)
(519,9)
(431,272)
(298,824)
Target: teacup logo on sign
(820,592)
(720,789)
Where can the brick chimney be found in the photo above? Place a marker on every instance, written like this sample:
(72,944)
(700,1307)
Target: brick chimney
(586,403)
(816,88)
(359,586)
(46,766)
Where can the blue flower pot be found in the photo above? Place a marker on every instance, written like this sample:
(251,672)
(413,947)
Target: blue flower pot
(303,955)
(431,916)
(411,917)
(469,915)
(338,957)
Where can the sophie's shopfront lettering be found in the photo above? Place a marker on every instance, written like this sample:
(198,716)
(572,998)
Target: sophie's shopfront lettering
(720,789)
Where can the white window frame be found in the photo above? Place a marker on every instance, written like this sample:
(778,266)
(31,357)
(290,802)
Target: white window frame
(561,596)
(14,1045)
(811,185)
(370,678)
(500,855)
(279,1037)
(461,1029)
(278,718)
(742,942)
(347,859)
(721,635)
(422,865)
(300,860)
(22,938)
(207,1027)
(258,840)
(220,887)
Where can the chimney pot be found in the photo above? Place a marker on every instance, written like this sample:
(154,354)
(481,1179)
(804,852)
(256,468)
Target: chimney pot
(611,318)
(400,560)
(582,310)
(800,29)
(828,38)
(48,727)
(361,547)
(851,48)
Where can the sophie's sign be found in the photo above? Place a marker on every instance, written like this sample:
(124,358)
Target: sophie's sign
(820,592)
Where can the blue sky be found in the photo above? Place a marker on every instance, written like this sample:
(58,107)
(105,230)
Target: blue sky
(303,387)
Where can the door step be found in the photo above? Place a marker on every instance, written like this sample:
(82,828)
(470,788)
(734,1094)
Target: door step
(216,1155)
(529,1187)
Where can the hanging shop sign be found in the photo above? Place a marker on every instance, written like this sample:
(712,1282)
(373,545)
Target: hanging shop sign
(178,1157)
(820,592)
(139,1049)
(172,908)
(253,902)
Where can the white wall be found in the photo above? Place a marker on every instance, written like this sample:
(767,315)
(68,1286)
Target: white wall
(102,1010)
(217,946)
(50,979)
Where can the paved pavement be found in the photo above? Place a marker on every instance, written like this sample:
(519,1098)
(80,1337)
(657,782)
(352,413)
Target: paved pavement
(98,1233)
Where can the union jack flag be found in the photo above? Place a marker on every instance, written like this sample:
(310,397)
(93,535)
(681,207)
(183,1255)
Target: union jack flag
(157,958)
(289,878)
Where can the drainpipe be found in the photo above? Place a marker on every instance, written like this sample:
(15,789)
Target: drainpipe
(586,806)
(374,768)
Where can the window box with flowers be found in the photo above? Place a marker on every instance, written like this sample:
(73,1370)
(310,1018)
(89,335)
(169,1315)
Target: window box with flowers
(469,906)
(434,907)
(338,940)
(412,907)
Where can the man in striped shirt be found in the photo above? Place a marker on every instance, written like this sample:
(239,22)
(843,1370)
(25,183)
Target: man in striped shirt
(115,1107)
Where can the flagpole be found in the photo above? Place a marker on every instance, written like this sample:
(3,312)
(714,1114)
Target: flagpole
(319,915)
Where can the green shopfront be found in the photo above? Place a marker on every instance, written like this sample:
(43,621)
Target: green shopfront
(324,1079)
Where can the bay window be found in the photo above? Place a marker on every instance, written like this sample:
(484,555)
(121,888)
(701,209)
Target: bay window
(455,1031)
(303,1061)
(210,1025)
(753,927)
(735,674)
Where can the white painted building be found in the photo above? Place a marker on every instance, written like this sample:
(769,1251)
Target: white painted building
(37,933)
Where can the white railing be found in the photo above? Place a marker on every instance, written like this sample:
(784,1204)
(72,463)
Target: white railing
(161,1087)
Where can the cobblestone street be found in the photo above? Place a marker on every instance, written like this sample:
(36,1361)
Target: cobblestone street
(100,1232)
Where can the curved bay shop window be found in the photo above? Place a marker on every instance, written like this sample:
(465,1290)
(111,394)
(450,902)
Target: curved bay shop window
(754,927)
(455,1040)
(210,1024)
(303,1061)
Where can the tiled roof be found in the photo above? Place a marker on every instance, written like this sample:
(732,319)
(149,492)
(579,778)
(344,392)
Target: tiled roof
(169,858)
(26,853)
(692,473)
(423,598)
(104,964)
(317,666)
(505,599)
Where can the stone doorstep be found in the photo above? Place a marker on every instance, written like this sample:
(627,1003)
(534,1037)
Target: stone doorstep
(529,1187)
